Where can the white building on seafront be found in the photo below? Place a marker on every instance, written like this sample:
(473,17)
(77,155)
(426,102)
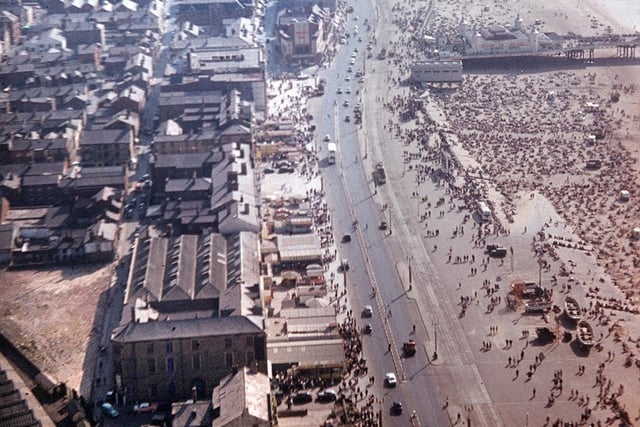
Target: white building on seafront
(506,40)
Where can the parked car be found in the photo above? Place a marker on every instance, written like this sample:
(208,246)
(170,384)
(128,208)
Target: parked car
(109,410)
(390,379)
(302,397)
(346,238)
(144,408)
(327,396)
(367,311)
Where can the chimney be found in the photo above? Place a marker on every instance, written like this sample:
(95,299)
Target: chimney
(194,394)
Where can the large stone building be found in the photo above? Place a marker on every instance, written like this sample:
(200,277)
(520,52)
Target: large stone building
(192,314)
(304,37)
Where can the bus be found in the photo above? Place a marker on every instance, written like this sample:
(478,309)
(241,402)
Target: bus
(484,211)
(331,157)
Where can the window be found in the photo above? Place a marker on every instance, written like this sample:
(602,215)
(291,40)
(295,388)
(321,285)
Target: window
(151,365)
(195,345)
(153,390)
(250,357)
(196,361)
(228,359)
(169,347)
(150,348)
(228,342)
(250,341)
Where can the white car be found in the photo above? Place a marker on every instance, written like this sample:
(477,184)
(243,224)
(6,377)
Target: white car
(327,138)
(347,78)
(390,379)
(348,91)
(367,311)
(339,90)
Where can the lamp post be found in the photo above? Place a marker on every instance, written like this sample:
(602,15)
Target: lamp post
(409,259)
(435,334)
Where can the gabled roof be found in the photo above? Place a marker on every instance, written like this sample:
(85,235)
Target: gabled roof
(244,392)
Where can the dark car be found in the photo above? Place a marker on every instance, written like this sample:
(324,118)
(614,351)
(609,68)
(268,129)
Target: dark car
(327,396)
(396,408)
(498,252)
(368,329)
(302,397)
(268,170)
(286,169)
(346,238)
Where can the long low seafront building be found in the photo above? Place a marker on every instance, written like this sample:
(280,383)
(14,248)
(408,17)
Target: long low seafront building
(436,71)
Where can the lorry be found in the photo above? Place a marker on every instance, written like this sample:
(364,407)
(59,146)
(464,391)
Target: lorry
(331,157)
(483,211)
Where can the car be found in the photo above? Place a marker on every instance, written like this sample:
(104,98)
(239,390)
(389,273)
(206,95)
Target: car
(347,78)
(383,225)
(361,80)
(144,408)
(367,311)
(352,61)
(302,397)
(390,379)
(346,238)
(339,91)
(286,169)
(109,410)
(347,118)
(498,252)
(350,69)
(348,91)
(396,408)
(268,170)
(327,396)
(346,103)
(344,264)
(368,329)
(327,138)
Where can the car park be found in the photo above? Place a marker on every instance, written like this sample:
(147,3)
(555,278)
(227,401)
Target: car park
(327,396)
(367,311)
(109,410)
(302,397)
(390,379)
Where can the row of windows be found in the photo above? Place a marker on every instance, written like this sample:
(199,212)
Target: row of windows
(195,345)
(152,367)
